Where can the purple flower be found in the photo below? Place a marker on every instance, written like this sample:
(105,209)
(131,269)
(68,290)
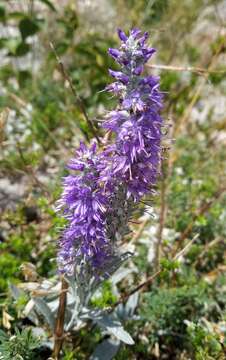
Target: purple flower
(138,70)
(84,205)
(122,35)
(115,119)
(119,76)
(137,151)
(135,33)
(115,53)
(103,192)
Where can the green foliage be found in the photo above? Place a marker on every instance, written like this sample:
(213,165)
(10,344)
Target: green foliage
(169,264)
(105,298)
(167,309)
(20,346)
(28,27)
(206,344)
(9,265)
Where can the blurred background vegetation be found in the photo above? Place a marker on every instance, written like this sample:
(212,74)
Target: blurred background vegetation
(182,314)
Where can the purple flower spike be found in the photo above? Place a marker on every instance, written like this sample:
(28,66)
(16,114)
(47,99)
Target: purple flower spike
(105,186)
(137,149)
(84,205)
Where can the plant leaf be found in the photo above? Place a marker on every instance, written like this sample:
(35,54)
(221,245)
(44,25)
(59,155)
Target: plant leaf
(120,275)
(115,328)
(131,304)
(28,27)
(110,324)
(45,311)
(49,4)
(22,49)
(16,293)
(106,350)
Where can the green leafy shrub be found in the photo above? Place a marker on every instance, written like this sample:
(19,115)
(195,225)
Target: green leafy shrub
(20,346)
(206,345)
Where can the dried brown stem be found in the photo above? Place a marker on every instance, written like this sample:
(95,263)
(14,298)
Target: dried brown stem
(125,297)
(79,101)
(59,326)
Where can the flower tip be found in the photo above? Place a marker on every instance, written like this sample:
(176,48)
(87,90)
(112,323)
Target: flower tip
(82,145)
(114,53)
(118,75)
(135,32)
(122,36)
(111,72)
(138,70)
(143,38)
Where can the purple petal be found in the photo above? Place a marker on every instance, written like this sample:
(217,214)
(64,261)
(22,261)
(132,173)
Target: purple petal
(122,35)
(115,53)
(119,76)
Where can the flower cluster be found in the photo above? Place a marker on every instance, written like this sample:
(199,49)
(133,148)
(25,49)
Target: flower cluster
(137,122)
(84,205)
(100,197)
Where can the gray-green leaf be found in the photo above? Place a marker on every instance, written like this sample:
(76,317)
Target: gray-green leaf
(44,309)
(106,350)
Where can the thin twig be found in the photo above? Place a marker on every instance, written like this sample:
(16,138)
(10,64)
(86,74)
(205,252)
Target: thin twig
(59,326)
(197,70)
(79,101)
(185,249)
(198,91)
(125,297)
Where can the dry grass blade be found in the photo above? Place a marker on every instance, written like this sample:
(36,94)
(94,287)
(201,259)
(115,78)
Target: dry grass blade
(197,70)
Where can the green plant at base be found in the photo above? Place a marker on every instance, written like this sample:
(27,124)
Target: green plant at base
(206,345)
(20,346)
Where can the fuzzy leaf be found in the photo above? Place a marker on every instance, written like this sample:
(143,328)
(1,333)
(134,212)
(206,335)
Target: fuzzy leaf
(45,311)
(115,328)
(131,304)
(16,293)
(120,275)
(106,350)
(110,324)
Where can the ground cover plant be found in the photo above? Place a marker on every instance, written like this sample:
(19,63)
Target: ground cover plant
(135,247)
